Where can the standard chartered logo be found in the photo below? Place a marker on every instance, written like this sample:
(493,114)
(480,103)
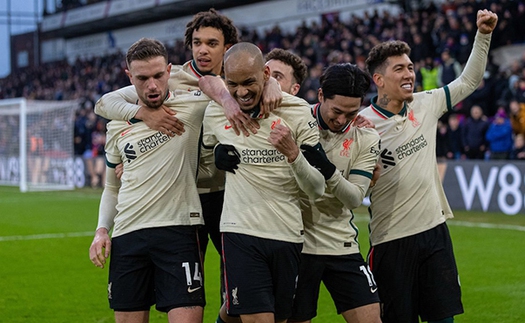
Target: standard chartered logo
(152,141)
(261,156)
(411,147)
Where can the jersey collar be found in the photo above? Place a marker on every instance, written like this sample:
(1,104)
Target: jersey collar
(385,113)
(196,71)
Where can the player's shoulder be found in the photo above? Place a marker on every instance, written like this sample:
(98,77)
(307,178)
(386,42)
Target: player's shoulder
(214,109)
(292,105)
(367,132)
(181,77)
(114,126)
(367,112)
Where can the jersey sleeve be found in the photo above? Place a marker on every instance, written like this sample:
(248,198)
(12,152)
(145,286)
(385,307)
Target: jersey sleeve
(352,190)
(108,201)
(118,105)
(473,72)
(309,179)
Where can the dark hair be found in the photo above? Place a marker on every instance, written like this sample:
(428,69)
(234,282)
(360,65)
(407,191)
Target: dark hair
(145,48)
(344,79)
(291,59)
(212,18)
(381,52)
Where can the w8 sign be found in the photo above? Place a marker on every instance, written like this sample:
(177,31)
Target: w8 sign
(486,186)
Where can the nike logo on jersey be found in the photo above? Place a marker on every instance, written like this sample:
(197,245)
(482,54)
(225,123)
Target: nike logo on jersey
(191,290)
(373,289)
(228,126)
(124,132)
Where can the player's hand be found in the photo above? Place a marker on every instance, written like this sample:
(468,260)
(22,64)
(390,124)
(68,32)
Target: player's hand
(119,170)
(100,248)
(363,122)
(162,120)
(281,138)
(316,157)
(240,121)
(226,158)
(272,97)
(375,175)
(486,21)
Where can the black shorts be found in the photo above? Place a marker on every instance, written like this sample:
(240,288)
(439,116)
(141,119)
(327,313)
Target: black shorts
(417,275)
(261,274)
(347,278)
(159,266)
(211,212)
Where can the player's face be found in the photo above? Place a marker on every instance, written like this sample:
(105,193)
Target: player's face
(338,111)
(150,78)
(208,49)
(245,83)
(399,78)
(283,73)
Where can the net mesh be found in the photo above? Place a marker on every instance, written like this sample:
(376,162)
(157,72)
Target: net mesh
(44,160)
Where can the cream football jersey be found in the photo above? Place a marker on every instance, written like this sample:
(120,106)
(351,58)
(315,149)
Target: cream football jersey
(409,198)
(328,221)
(262,197)
(159,180)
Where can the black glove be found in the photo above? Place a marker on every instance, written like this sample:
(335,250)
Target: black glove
(226,158)
(316,156)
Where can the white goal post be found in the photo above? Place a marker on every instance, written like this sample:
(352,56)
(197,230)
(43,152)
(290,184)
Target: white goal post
(36,144)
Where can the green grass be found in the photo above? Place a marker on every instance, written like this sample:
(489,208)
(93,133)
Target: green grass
(46,274)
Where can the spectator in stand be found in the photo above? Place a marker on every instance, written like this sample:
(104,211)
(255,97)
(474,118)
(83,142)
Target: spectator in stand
(499,136)
(474,132)
(520,89)
(517,117)
(441,141)
(518,151)
(482,97)
(454,138)
(449,69)
(429,74)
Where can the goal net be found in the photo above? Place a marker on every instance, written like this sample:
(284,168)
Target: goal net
(36,144)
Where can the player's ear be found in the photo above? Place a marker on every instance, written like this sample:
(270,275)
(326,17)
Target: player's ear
(267,73)
(320,95)
(128,73)
(295,89)
(378,79)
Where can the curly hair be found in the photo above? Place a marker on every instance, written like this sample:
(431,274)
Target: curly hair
(344,79)
(381,52)
(212,18)
(291,59)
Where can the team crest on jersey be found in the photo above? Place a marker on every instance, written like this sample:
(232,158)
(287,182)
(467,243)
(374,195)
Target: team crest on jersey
(345,152)
(413,119)
(275,123)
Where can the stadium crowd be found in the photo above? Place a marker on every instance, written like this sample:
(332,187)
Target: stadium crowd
(489,124)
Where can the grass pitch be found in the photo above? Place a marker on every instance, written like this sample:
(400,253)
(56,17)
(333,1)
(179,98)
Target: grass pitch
(46,274)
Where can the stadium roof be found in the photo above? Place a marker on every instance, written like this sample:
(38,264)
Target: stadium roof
(60,24)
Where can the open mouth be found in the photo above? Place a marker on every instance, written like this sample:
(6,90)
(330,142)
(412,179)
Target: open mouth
(407,86)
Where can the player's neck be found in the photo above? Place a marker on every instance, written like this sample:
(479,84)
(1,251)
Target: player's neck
(386,102)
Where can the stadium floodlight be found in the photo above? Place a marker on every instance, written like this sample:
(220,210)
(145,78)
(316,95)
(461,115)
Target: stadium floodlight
(36,144)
